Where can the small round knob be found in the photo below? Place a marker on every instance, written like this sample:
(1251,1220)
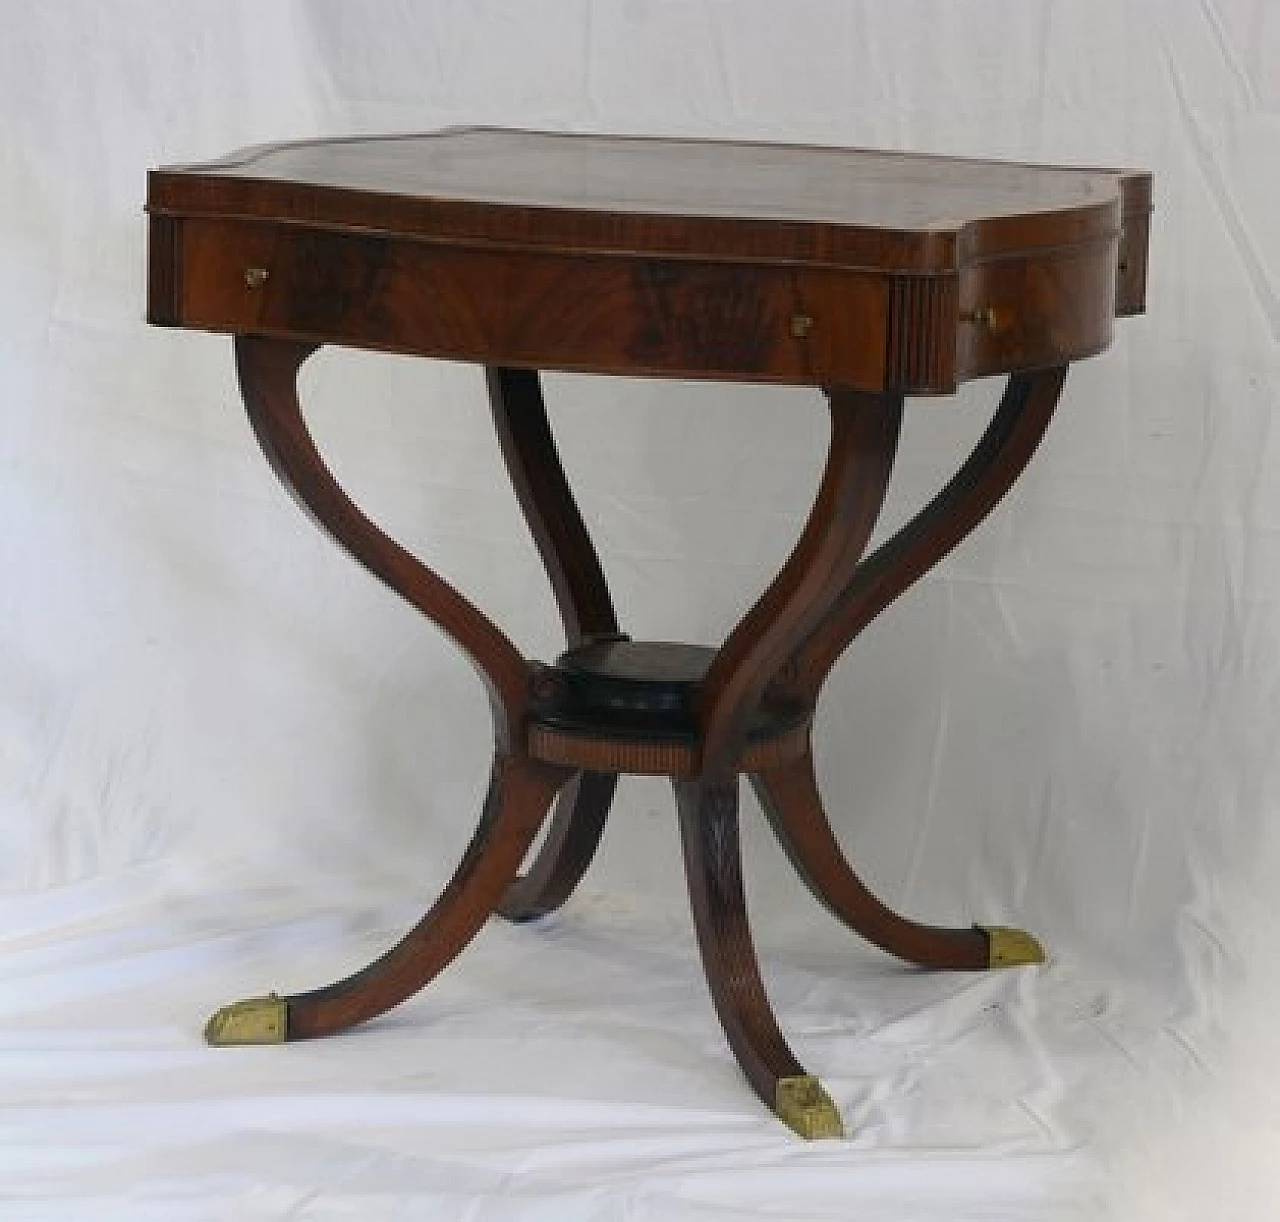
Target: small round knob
(993,318)
(255,277)
(801,325)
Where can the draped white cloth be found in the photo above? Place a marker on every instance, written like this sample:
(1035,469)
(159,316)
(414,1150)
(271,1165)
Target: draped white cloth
(230,762)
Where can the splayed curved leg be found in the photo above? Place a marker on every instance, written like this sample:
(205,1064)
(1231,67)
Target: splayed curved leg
(789,793)
(790,800)
(1001,455)
(586,610)
(860,453)
(268,372)
(709,833)
(571,843)
(520,793)
(521,790)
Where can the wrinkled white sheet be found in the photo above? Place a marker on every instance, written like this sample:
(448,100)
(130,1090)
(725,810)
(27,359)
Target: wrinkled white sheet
(229,762)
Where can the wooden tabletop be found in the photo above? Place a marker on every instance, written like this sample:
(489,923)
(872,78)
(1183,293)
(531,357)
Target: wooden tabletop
(831,240)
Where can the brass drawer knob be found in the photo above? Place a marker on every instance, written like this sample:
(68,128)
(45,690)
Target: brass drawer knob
(255,277)
(801,325)
(994,318)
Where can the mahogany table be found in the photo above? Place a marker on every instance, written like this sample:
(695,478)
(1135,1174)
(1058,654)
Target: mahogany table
(869,275)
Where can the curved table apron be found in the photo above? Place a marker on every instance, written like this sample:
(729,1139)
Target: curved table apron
(869,276)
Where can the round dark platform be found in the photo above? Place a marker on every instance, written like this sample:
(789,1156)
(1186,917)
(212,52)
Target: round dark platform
(638,691)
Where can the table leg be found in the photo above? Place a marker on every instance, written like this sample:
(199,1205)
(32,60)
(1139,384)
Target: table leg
(566,853)
(559,533)
(586,610)
(268,371)
(789,794)
(520,793)
(1001,455)
(709,833)
(864,440)
(521,790)
(790,800)
(780,653)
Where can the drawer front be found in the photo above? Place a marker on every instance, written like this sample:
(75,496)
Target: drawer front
(605,313)
(1026,313)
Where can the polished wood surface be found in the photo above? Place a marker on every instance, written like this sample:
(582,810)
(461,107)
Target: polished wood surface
(847,207)
(520,791)
(870,275)
(1002,453)
(649,689)
(708,812)
(586,611)
(864,440)
(776,263)
(268,373)
(789,797)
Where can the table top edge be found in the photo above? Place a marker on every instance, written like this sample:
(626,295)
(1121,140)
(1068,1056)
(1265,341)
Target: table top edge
(215,189)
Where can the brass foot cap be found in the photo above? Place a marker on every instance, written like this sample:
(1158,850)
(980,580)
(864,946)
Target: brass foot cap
(1011,947)
(802,1105)
(259,1020)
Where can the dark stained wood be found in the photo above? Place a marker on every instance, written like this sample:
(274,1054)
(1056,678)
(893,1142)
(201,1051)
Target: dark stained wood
(1038,308)
(559,534)
(640,691)
(164,271)
(789,797)
(268,372)
(572,839)
(747,262)
(520,793)
(920,330)
(602,313)
(705,198)
(633,706)
(872,275)
(713,865)
(997,460)
(586,610)
(1131,268)
(864,439)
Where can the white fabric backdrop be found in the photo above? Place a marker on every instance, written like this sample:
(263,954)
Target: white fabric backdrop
(229,761)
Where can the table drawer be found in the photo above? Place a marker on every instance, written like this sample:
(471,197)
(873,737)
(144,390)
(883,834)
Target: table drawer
(1045,309)
(616,314)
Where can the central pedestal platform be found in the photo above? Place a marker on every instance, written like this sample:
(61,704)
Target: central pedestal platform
(618,705)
